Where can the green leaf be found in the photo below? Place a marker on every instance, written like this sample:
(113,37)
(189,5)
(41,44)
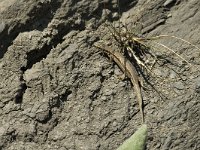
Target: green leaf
(137,141)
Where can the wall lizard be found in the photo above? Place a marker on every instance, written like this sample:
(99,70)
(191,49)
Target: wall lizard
(127,67)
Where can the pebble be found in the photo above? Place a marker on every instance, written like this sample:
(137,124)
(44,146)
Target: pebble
(2,26)
(179,85)
(167,2)
(172,75)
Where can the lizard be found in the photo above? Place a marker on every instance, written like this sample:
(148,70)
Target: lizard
(128,69)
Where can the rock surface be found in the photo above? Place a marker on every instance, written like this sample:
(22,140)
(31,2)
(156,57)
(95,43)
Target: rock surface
(57,91)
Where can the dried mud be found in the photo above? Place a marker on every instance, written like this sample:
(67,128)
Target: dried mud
(57,91)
